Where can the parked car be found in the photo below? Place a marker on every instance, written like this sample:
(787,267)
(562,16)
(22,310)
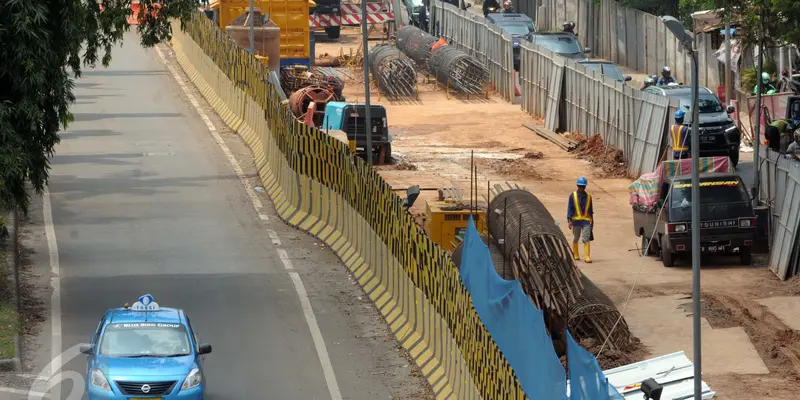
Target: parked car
(417,13)
(719,134)
(606,68)
(562,43)
(518,26)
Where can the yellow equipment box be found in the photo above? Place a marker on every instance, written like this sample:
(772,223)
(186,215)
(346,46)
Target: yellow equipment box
(290,15)
(446,220)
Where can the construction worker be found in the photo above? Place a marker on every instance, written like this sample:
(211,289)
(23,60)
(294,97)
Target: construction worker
(766,87)
(580,216)
(680,137)
(779,134)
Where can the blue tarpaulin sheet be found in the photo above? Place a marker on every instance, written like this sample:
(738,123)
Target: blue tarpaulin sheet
(586,379)
(515,324)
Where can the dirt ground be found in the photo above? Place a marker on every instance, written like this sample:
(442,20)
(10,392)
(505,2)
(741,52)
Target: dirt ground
(437,138)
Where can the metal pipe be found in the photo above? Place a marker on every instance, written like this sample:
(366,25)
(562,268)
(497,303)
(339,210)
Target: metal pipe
(505,228)
(252,28)
(757,129)
(728,70)
(367,106)
(695,226)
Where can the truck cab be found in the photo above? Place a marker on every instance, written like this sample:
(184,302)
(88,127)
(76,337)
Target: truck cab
(727,219)
(351,118)
(719,134)
(519,26)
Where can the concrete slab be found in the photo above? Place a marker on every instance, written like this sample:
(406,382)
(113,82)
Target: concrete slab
(785,308)
(665,328)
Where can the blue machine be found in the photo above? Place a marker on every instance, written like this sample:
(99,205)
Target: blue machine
(519,26)
(351,118)
(144,351)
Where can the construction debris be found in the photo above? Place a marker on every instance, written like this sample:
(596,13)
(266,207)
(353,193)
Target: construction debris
(297,77)
(452,67)
(394,71)
(558,140)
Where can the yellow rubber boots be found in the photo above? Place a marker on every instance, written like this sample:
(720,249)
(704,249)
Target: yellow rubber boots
(575,255)
(587,252)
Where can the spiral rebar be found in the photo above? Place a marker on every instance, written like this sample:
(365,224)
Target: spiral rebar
(415,43)
(538,255)
(458,70)
(451,66)
(394,71)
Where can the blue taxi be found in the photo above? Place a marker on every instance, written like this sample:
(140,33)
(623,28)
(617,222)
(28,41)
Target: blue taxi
(145,352)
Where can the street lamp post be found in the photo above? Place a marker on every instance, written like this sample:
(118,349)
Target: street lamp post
(687,40)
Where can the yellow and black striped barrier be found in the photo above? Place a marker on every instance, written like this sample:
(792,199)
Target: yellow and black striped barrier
(317,184)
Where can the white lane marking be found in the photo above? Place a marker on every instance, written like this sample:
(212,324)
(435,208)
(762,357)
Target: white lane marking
(274,236)
(287,263)
(316,336)
(24,392)
(231,159)
(308,312)
(55,281)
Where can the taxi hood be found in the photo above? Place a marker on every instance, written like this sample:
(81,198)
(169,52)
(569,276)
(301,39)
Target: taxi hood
(119,367)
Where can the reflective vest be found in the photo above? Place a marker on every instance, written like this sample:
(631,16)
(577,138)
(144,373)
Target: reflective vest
(581,215)
(677,139)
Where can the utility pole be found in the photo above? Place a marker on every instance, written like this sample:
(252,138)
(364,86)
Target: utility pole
(728,68)
(252,28)
(695,226)
(367,106)
(757,129)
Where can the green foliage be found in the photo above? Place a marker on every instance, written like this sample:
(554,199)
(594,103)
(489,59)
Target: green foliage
(780,19)
(687,7)
(45,43)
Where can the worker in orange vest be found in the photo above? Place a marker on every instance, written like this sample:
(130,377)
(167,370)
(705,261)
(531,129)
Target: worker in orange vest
(680,137)
(580,216)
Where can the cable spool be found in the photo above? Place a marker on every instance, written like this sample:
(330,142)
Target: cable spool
(299,100)
(415,43)
(458,70)
(393,70)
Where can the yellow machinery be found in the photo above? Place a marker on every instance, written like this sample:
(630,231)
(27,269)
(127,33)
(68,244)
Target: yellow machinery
(342,137)
(446,219)
(291,16)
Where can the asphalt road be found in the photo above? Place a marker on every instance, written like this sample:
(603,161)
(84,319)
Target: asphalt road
(144,202)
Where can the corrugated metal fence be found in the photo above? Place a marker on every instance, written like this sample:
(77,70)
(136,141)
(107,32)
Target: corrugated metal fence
(779,188)
(470,33)
(570,98)
(626,36)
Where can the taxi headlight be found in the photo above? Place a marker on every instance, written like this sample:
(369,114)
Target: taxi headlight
(98,380)
(193,379)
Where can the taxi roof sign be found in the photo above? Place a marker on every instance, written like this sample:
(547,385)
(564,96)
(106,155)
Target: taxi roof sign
(145,303)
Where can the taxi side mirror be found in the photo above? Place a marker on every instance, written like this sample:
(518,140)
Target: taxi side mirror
(730,109)
(86,348)
(204,349)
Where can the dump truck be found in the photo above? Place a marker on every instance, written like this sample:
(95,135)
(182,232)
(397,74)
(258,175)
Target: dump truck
(662,203)
(351,118)
(291,16)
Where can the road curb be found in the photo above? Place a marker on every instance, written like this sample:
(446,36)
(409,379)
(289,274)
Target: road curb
(15,363)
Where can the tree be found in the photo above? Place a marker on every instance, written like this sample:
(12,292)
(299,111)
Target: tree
(45,43)
(779,19)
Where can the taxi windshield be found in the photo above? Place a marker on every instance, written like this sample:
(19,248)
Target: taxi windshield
(145,340)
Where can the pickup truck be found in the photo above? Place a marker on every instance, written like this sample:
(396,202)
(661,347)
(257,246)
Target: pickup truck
(727,219)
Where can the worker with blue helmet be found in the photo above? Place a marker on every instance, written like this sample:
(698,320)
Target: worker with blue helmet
(680,137)
(580,215)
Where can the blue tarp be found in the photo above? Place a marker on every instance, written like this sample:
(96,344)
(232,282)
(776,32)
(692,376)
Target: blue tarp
(519,331)
(515,324)
(586,379)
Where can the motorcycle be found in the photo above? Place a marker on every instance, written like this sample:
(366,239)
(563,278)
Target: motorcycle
(492,10)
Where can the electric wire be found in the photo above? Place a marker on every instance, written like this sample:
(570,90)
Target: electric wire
(644,250)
